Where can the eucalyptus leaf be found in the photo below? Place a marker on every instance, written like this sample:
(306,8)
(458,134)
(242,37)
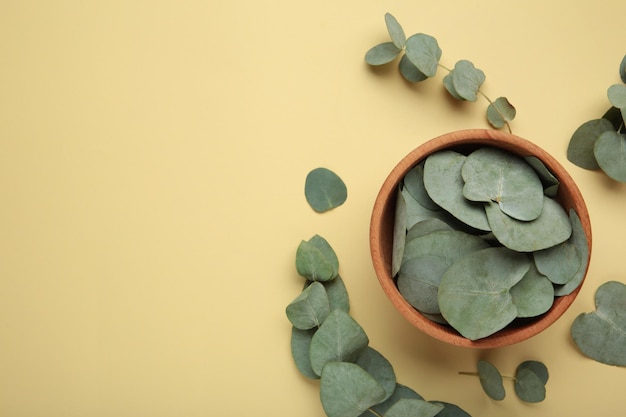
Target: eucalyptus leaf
(395,31)
(339,338)
(579,240)
(382,54)
(529,387)
(614,115)
(416,213)
(300,349)
(336,292)
(500,112)
(559,263)
(450,410)
(414,408)
(491,380)
(409,71)
(399,233)
(425,227)
(424,52)
(324,190)
(491,174)
(310,308)
(467,80)
(547,178)
(418,281)
(401,392)
(379,368)
(346,390)
(533,295)
(316,260)
(449,85)
(480,306)
(580,148)
(610,152)
(622,69)
(449,244)
(538,368)
(617,95)
(549,229)
(601,334)
(444,184)
(414,184)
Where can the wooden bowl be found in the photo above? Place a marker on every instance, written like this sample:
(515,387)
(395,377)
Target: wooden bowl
(382,225)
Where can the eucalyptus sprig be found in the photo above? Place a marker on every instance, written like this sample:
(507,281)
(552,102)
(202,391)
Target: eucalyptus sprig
(329,345)
(600,144)
(419,60)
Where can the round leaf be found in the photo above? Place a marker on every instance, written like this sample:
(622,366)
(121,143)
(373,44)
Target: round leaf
(399,393)
(474,292)
(559,263)
(336,292)
(414,407)
(339,338)
(579,240)
(300,351)
(379,368)
(418,282)
(601,335)
(622,69)
(617,95)
(500,112)
(549,229)
(491,380)
(580,148)
(467,80)
(449,85)
(409,71)
(382,53)
(549,181)
(324,190)
(313,264)
(395,31)
(529,387)
(491,174)
(444,184)
(610,152)
(533,295)
(414,184)
(538,368)
(424,52)
(425,227)
(449,244)
(310,308)
(451,410)
(614,115)
(346,390)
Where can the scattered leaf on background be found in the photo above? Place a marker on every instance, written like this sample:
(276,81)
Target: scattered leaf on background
(379,368)
(339,338)
(396,33)
(467,80)
(610,152)
(448,83)
(580,148)
(401,392)
(538,368)
(491,380)
(601,334)
(424,52)
(450,410)
(310,308)
(346,390)
(324,190)
(617,95)
(500,112)
(409,71)
(530,381)
(622,69)
(481,306)
(300,348)
(336,292)
(414,407)
(614,115)
(382,54)
(316,260)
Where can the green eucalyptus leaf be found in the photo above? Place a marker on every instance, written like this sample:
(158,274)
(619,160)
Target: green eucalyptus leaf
(482,305)
(382,54)
(449,244)
(409,71)
(425,227)
(617,95)
(418,281)
(467,80)
(500,112)
(424,52)
(324,190)
(413,408)
(379,368)
(414,184)
(580,148)
(300,351)
(417,213)
(450,410)
(614,115)
(549,229)
(399,233)
(601,334)
(579,240)
(538,368)
(339,338)
(346,390)
(401,392)
(395,31)
(316,260)
(310,308)
(610,152)
(336,292)
(449,85)
(529,387)
(533,295)
(437,318)
(559,263)
(549,181)
(622,69)
(491,380)
(444,184)
(491,174)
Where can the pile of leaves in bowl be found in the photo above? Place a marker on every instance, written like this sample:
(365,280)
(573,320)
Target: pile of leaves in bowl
(480,240)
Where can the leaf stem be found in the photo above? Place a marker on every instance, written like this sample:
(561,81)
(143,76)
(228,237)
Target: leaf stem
(374,412)
(477,374)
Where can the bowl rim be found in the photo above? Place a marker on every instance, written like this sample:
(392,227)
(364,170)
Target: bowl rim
(569,196)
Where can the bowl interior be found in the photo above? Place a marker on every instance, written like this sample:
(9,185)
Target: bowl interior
(382,225)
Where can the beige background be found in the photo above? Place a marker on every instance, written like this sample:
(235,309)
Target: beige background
(152,163)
